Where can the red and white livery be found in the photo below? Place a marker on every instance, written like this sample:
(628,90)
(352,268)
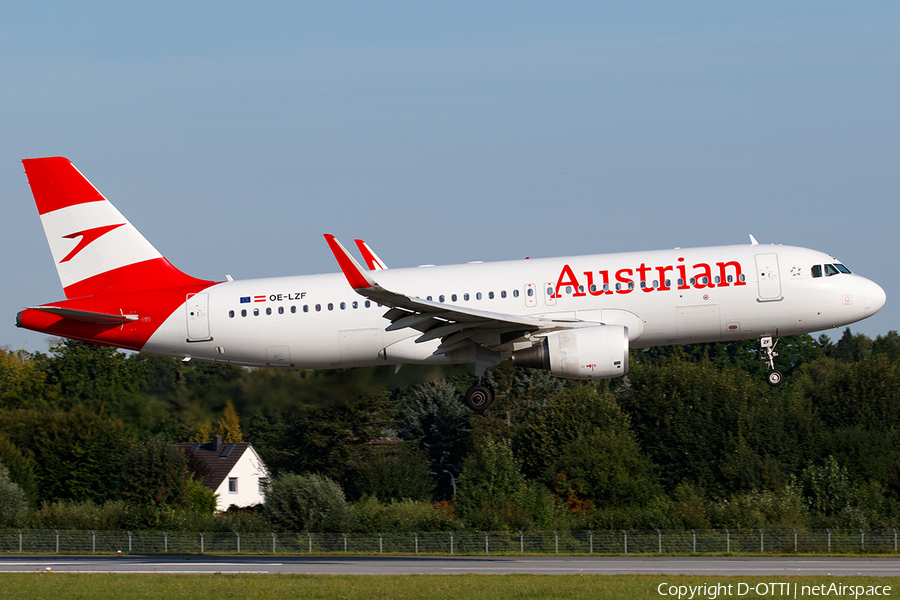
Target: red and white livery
(575,316)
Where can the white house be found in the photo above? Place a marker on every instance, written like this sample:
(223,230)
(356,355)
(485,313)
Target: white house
(234,471)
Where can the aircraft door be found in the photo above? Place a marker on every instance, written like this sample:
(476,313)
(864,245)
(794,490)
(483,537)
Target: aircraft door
(530,295)
(549,298)
(768,276)
(198,317)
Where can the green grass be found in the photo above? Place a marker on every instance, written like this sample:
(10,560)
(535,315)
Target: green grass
(406,587)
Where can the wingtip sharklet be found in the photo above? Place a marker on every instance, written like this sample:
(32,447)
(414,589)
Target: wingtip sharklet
(352,270)
(372,260)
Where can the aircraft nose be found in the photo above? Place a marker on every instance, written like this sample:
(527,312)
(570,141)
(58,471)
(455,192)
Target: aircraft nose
(875,298)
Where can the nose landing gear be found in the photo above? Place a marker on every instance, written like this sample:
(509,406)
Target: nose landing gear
(767,347)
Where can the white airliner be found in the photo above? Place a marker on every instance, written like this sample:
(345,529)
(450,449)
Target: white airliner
(575,316)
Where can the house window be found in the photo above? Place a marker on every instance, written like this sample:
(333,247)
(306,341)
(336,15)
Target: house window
(232,485)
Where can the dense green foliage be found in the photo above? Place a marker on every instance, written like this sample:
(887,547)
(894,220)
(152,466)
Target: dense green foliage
(304,503)
(692,437)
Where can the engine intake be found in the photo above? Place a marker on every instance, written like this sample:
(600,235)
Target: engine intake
(589,353)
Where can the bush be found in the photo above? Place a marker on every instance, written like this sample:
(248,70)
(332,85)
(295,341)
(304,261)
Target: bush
(372,516)
(13,503)
(761,508)
(306,503)
(80,516)
(200,498)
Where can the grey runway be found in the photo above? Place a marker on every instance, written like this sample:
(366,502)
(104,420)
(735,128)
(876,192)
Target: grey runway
(402,565)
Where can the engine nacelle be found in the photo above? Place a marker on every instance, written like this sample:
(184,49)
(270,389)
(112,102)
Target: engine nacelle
(587,353)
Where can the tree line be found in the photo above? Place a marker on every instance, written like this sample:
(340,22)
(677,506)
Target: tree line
(691,438)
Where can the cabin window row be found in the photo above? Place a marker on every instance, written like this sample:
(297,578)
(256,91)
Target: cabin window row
(655,284)
(478,296)
(306,308)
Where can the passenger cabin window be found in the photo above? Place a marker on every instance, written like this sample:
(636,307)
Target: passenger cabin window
(280,310)
(503,294)
(255,312)
(231,314)
(453,298)
(244,312)
(268,311)
(515,293)
(478,296)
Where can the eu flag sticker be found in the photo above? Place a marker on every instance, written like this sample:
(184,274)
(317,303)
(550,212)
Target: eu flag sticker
(245,299)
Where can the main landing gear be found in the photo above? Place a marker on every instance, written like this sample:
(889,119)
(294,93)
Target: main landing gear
(767,346)
(480,396)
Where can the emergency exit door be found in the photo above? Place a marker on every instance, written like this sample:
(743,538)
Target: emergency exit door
(768,277)
(198,317)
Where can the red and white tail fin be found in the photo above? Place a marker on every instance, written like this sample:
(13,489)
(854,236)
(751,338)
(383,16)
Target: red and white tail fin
(95,249)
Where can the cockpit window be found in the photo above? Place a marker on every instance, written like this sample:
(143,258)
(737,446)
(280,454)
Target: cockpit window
(841,268)
(830,270)
(817,271)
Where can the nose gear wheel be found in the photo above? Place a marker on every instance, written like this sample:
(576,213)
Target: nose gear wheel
(767,349)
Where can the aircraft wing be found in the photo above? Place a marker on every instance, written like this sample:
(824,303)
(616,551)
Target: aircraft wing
(455,325)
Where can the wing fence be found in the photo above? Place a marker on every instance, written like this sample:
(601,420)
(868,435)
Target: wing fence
(622,542)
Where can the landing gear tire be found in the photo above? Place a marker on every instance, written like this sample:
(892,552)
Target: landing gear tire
(774,378)
(479,397)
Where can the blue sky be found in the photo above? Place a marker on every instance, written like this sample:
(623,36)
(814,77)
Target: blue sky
(233,135)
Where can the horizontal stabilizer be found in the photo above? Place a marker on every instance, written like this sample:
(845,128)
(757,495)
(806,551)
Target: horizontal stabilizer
(85,316)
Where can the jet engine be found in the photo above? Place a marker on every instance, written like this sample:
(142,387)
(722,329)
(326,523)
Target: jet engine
(587,353)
